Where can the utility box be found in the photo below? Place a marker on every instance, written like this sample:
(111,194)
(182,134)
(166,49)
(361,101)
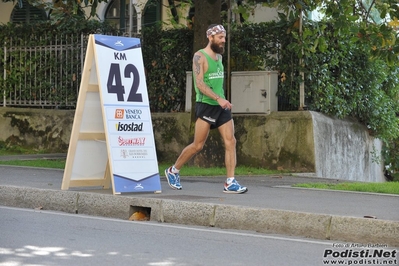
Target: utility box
(254,91)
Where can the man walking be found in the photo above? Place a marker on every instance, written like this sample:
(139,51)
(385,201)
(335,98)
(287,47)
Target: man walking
(212,110)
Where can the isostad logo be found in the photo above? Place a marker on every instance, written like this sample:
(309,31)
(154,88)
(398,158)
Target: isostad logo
(129,127)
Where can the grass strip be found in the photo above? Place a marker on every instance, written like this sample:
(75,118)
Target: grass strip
(55,164)
(385,188)
(187,170)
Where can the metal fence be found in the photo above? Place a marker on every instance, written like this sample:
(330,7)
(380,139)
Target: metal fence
(42,72)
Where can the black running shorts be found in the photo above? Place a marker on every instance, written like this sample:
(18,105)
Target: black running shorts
(215,115)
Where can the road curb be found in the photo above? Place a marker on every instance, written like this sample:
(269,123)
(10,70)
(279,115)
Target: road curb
(271,221)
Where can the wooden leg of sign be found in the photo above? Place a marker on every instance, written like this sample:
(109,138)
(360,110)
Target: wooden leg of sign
(74,173)
(107,176)
(73,142)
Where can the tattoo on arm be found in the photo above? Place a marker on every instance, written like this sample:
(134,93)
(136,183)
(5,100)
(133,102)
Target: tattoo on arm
(199,75)
(197,64)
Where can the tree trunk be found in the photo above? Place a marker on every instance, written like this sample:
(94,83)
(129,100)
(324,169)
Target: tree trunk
(206,12)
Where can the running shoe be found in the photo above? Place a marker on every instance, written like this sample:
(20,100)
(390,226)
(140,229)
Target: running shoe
(173,179)
(234,188)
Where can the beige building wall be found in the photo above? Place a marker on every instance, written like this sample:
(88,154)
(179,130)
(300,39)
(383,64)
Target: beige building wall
(5,11)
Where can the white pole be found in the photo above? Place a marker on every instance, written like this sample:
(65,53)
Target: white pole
(302,85)
(5,74)
(228,80)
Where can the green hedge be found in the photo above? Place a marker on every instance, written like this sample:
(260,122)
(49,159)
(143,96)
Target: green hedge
(167,55)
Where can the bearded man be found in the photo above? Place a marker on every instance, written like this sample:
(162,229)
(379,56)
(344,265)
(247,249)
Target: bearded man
(212,110)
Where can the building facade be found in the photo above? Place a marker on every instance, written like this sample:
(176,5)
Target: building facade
(128,15)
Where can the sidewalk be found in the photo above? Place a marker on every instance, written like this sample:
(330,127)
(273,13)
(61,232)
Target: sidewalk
(270,206)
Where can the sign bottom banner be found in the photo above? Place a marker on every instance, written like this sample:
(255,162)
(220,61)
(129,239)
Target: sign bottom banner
(150,184)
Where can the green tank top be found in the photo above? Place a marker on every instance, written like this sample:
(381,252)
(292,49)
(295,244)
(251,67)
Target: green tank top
(214,78)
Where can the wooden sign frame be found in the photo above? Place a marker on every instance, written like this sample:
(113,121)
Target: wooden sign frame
(93,149)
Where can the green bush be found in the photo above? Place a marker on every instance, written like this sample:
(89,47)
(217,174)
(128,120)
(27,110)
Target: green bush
(345,75)
(167,55)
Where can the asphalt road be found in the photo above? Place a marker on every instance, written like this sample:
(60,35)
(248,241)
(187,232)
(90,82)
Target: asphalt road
(33,237)
(271,205)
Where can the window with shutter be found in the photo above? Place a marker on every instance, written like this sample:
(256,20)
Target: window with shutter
(27,13)
(113,15)
(152,13)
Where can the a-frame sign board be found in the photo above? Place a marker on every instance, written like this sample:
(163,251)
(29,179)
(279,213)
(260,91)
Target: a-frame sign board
(112,139)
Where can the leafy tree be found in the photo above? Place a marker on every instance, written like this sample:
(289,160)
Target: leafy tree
(206,12)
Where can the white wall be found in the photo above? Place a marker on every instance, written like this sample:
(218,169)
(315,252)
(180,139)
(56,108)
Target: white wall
(263,14)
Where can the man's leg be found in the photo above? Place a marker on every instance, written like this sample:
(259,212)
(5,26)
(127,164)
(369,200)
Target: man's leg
(227,132)
(201,133)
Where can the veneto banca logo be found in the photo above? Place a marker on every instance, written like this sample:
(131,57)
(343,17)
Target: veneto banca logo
(119,113)
(128,114)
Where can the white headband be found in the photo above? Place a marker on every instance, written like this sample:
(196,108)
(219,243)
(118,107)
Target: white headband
(215,30)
